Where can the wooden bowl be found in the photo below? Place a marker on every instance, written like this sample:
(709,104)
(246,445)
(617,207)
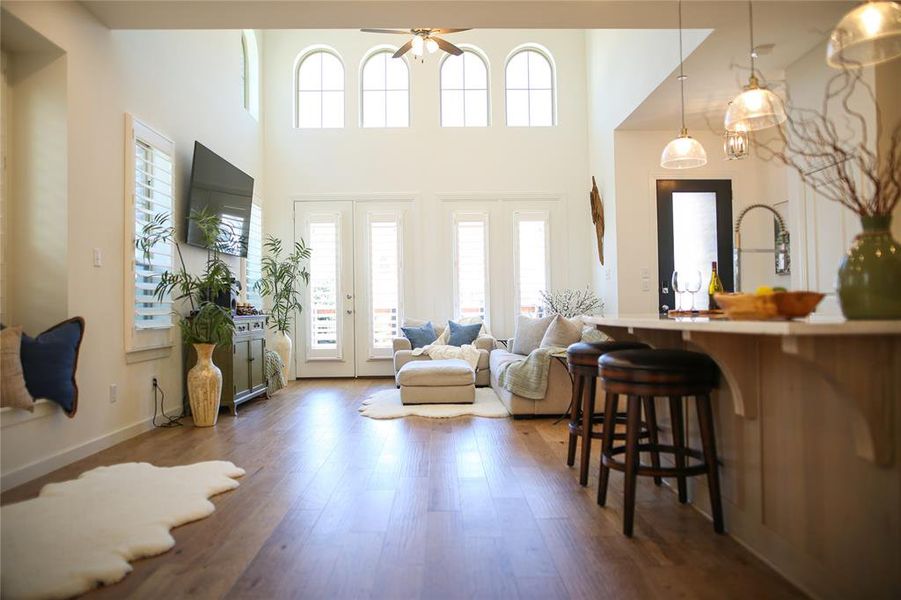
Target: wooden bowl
(796,305)
(747,307)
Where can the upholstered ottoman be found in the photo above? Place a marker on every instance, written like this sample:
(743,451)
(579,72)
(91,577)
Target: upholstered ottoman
(437,382)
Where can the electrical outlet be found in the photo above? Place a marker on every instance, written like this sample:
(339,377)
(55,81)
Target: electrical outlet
(645,273)
(155,383)
(98,257)
(113,393)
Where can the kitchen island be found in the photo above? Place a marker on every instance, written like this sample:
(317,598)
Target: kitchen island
(808,420)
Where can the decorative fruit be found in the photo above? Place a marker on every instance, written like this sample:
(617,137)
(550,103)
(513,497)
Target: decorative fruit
(764,290)
(779,288)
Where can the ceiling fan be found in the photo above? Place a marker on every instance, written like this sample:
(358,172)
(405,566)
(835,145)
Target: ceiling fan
(422,39)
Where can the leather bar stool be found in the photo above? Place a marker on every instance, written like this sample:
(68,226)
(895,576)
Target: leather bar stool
(582,362)
(643,375)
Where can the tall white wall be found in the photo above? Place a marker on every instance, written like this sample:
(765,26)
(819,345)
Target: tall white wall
(616,87)
(432,163)
(186,84)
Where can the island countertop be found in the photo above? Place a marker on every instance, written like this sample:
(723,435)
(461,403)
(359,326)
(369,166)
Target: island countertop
(814,325)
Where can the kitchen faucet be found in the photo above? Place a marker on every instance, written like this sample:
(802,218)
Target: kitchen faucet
(781,251)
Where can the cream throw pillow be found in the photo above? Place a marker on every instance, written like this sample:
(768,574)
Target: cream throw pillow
(12,380)
(562,332)
(529,333)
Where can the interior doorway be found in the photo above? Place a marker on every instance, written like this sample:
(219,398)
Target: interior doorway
(694,229)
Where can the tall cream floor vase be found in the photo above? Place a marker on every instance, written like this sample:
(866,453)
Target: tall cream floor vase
(204,387)
(283,346)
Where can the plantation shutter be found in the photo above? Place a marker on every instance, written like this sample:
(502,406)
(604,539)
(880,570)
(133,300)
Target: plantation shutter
(254,263)
(384,269)
(472,268)
(532,261)
(152,196)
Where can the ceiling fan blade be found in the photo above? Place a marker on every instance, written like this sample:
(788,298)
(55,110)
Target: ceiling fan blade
(400,31)
(403,49)
(448,30)
(447,46)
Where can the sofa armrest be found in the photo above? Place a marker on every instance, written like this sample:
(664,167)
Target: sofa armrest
(401,343)
(485,342)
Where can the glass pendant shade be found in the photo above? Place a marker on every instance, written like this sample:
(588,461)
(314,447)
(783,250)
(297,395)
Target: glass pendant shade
(868,35)
(684,152)
(754,109)
(418,45)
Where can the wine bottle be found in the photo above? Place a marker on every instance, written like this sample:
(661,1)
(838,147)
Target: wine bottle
(715,286)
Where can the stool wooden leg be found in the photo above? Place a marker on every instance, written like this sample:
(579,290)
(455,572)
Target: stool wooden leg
(678,424)
(610,407)
(650,415)
(574,417)
(708,441)
(587,418)
(633,425)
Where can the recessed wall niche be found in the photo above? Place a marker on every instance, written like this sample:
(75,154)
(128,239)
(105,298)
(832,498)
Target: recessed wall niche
(33,186)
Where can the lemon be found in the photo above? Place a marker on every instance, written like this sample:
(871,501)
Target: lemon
(763,290)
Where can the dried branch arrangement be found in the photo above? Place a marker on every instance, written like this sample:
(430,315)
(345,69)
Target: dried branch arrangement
(572,303)
(835,154)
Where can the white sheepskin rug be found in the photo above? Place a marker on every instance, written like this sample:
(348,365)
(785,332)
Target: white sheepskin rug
(78,534)
(386,404)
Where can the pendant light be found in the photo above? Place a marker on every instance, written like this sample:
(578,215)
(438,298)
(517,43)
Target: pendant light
(868,35)
(684,152)
(736,145)
(756,107)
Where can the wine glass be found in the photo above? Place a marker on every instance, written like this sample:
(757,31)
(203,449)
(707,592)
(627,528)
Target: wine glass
(678,281)
(693,285)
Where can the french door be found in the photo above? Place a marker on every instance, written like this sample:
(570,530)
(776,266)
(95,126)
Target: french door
(354,302)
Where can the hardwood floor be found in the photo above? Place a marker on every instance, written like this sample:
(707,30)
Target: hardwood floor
(335,505)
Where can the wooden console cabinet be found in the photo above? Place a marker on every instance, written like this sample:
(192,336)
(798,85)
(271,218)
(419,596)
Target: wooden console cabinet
(241,362)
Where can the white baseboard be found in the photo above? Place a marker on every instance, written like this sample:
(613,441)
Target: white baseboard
(69,455)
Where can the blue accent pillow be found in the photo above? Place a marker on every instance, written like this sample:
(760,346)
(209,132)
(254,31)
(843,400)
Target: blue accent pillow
(420,336)
(49,362)
(463,334)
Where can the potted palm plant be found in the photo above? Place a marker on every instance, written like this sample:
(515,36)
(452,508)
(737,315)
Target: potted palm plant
(279,284)
(204,323)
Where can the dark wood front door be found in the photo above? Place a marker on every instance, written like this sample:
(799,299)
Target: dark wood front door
(703,211)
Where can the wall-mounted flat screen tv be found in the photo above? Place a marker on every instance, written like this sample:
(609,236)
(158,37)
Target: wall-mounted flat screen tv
(219,188)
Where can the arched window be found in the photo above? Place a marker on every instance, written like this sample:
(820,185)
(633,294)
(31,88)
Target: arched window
(464,90)
(386,91)
(530,88)
(320,90)
(250,72)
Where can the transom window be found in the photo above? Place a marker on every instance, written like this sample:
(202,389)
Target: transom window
(464,91)
(320,91)
(386,91)
(530,89)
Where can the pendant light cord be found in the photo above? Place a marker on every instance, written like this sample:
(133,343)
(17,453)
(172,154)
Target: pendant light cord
(751,29)
(681,71)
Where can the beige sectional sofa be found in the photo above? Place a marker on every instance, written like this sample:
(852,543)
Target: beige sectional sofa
(556,399)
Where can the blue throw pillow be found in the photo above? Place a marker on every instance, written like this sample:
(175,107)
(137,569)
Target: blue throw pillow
(49,362)
(463,334)
(420,336)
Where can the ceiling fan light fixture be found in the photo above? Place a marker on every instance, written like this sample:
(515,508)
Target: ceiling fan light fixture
(418,45)
(431,45)
(868,35)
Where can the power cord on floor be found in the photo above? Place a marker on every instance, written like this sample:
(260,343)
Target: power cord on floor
(167,420)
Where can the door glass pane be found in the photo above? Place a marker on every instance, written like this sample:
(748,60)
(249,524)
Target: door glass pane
(532,267)
(324,285)
(384,271)
(694,237)
(471,268)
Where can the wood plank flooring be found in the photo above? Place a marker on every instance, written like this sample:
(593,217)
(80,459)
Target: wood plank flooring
(335,505)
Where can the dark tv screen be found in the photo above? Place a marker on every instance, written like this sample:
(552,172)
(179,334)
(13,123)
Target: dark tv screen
(223,190)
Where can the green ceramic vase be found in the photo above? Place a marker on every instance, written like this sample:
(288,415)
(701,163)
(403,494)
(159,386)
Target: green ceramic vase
(869,278)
